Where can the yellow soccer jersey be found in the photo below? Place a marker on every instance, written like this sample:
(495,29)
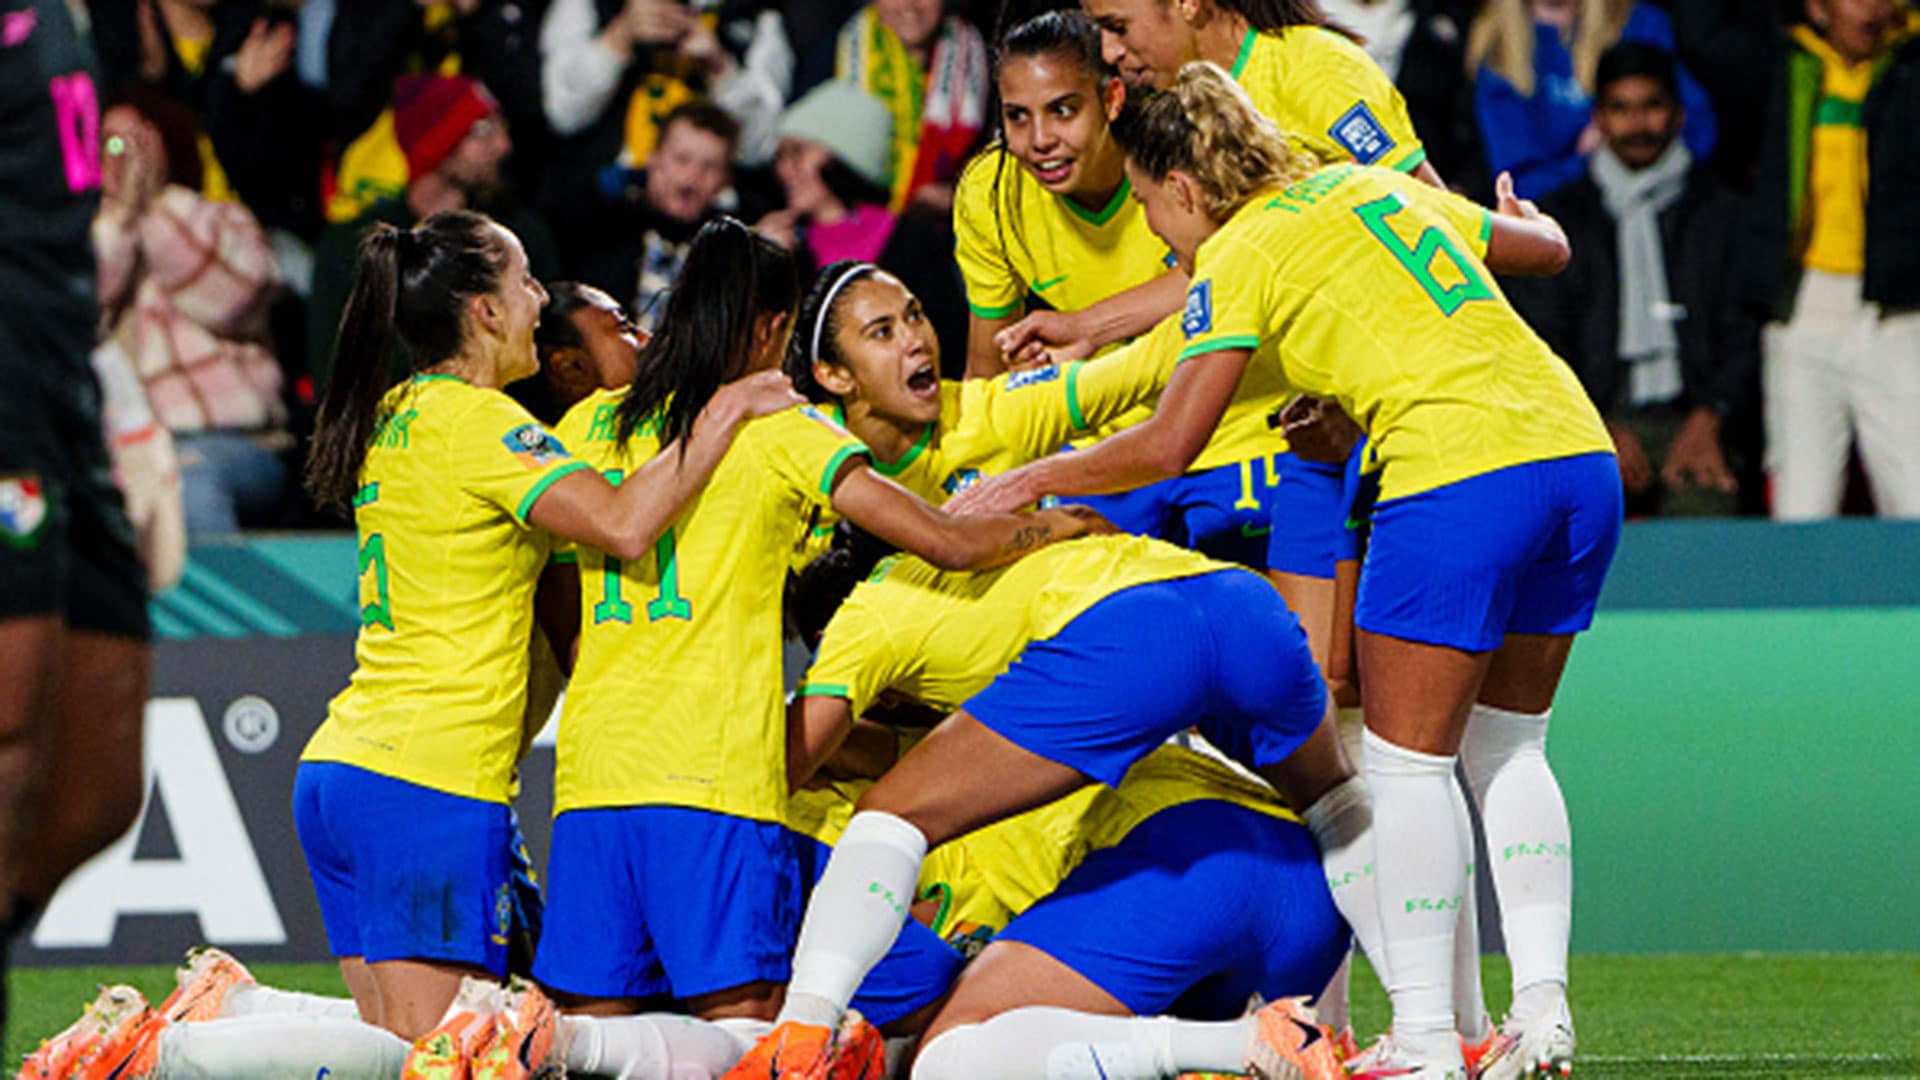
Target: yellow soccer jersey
(941,636)
(1028,240)
(1329,96)
(1366,286)
(447,570)
(676,696)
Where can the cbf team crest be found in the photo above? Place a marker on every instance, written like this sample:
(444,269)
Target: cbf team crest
(23,510)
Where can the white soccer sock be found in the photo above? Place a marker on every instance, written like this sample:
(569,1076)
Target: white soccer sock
(1529,844)
(1342,825)
(1469,998)
(1332,1004)
(653,1046)
(745,1030)
(268,1001)
(855,914)
(280,1047)
(1420,872)
(1045,1043)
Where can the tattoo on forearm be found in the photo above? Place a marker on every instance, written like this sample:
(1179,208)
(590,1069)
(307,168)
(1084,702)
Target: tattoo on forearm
(1029,537)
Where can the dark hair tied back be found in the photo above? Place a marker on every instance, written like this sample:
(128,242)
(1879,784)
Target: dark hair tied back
(410,289)
(732,277)
(808,324)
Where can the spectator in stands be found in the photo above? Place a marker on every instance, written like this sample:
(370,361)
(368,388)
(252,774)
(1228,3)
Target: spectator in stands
(160,48)
(1421,45)
(455,145)
(184,284)
(1644,312)
(267,126)
(929,68)
(1533,92)
(372,44)
(1832,254)
(1733,47)
(613,70)
(629,234)
(833,165)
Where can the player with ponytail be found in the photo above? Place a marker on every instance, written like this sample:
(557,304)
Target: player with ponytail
(1363,287)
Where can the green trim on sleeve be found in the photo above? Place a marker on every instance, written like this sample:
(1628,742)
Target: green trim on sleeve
(827,689)
(1486,230)
(1219,344)
(1246,53)
(993,312)
(1078,419)
(1413,160)
(533,493)
(895,468)
(564,558)
(838,459)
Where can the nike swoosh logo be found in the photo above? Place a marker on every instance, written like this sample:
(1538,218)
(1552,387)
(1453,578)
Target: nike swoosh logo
(1043,286)
(1250,531)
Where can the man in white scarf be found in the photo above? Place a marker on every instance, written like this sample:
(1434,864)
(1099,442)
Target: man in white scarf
(1642,315)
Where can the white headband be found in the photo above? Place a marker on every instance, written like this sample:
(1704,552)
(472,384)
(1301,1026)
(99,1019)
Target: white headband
(813,355)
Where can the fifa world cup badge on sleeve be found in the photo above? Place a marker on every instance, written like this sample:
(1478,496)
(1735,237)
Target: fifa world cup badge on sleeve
(534,446)
(1032,377)
(23,510)
(1197,319)
(1361,134)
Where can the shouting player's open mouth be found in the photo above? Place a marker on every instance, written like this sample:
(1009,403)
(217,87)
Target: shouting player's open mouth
(1052,172)
(924,383)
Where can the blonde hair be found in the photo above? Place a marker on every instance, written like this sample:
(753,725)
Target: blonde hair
(1206,126)
(1503,32)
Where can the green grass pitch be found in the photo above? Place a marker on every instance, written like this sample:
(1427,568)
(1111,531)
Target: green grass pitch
(1799,1016)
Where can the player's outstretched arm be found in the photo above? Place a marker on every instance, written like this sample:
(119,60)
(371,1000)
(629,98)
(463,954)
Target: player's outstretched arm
(627,520)
(1162,446)
(1060,336)
(950,541)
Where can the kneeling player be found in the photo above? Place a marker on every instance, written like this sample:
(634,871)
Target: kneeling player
(1120,643)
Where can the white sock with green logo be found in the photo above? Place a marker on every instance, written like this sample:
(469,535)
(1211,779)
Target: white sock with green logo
(1421,844)
(854,916)
(280,1047)
(1529,845)
(651,1046)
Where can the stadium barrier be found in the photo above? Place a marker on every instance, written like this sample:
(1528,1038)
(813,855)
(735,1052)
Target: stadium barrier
(1738,739)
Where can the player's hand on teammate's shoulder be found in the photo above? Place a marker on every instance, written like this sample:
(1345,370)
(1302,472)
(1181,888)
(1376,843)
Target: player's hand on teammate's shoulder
(760,394)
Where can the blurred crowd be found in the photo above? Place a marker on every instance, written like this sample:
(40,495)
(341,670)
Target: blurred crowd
(1740,180)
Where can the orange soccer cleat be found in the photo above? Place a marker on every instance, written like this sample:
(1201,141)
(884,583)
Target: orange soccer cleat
(791,1051)
(1289,1045)
(859,1052)
(446,1052)
(522,1045)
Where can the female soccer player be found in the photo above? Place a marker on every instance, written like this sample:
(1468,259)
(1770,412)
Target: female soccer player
(1047,213)
(671,868)
(1116,643)
(1496,522)
(401,796)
